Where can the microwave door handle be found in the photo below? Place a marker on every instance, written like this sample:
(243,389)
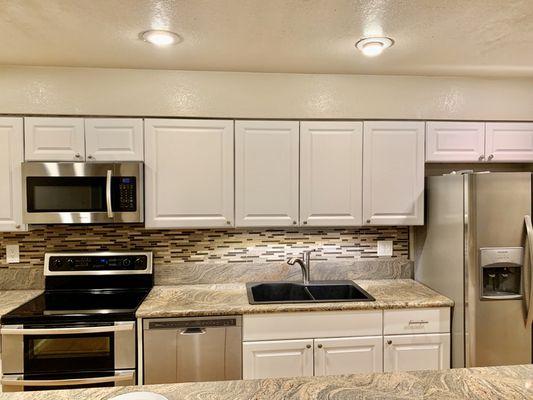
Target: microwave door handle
(108,194)
(18,380)
(527,278)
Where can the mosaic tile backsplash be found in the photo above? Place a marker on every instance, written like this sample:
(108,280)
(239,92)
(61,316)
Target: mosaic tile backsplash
(218,246)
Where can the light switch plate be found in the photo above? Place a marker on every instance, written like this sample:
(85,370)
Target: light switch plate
(12,253)
(384,248)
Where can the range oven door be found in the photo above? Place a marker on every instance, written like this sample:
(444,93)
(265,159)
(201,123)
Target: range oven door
(73,193)
(77,355)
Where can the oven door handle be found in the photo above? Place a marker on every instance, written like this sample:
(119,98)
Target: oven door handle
(18,380)
(120,327)
(109,204)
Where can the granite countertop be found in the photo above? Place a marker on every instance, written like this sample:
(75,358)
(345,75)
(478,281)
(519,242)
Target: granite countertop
(11,299)
(509,383)
(231,298)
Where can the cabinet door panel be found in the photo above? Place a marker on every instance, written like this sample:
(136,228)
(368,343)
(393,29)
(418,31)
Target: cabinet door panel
(277,359)
(509,142)
(393,180)
(331,173)
(54,139)
(416,352)
(189,173)
(342,356)
(11,156)
(114,139)
(455,141)
(266,173)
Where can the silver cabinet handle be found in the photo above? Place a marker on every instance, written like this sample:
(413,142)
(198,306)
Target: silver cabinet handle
(7,330)
(18,380)
(108,194)
(421,322)
(528,265)
(491,157)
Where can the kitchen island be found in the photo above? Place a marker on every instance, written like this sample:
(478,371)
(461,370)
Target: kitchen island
(509,383)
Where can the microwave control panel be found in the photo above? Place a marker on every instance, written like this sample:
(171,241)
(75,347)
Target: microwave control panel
(125,196)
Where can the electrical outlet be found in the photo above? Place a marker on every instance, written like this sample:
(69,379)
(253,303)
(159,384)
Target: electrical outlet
(12,253)
(384,248)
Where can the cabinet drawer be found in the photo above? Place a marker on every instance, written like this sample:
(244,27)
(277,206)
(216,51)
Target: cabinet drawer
(302,325)
(423,320)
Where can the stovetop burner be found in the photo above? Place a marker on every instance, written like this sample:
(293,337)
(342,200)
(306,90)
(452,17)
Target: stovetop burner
(88,287)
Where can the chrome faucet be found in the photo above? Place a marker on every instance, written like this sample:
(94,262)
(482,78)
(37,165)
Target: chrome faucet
(304,263)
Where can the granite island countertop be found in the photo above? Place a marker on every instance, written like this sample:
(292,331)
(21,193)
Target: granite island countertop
(11,299)
(231,298)
(492,383)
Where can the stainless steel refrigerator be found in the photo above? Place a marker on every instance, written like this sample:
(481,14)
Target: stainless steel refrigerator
(475,249)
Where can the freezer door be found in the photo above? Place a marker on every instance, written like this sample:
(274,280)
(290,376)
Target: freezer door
(496,330)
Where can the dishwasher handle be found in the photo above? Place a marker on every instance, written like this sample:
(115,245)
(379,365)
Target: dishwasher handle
(193,331)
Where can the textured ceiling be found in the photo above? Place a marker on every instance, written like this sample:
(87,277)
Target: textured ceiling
(433,37)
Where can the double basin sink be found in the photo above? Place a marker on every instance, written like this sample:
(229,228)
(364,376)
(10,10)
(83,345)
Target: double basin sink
(314,292)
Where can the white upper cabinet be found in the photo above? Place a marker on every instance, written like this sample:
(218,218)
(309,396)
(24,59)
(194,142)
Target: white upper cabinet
(330,173)
(114,139)
(509,141)
(54,139)
(188,173)
(393,182)
(266,173)
(455,141)
(350,355)
(416,352)
(11,157)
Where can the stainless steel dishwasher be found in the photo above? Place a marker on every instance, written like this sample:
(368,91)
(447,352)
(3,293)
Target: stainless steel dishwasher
(192,349)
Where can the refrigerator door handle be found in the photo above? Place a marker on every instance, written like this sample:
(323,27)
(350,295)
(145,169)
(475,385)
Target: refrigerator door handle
(527,275)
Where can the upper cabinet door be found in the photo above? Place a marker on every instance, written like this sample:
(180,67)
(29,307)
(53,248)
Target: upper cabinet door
(393,185)
(188,173)
(266,173)
(331,173)
(455,141)
(54,139)
(509,141)
(11,156)
(114,139)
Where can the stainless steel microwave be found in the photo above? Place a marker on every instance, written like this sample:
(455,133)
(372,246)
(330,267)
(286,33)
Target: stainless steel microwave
(82,193)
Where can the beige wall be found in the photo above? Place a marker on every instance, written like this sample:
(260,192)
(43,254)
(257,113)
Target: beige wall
(91,91)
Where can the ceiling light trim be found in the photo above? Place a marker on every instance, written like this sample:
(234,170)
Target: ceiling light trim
(160,37)
(374,46)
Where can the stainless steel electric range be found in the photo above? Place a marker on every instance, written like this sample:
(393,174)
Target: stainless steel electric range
(81,331)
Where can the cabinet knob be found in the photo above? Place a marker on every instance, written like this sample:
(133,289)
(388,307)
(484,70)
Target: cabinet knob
(491,157)
(368,221)
(481,158)
(305,222)
(90,157)
(319,346)
(308,346)
(17,226)
(294,222)
(77,155)
(228,222)
(389,342)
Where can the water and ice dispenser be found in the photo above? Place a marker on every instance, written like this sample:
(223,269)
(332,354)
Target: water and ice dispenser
(501,273)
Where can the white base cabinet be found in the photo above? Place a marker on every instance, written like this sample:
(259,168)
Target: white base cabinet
(350,355)
(277,359)
(345,342)
(416,352)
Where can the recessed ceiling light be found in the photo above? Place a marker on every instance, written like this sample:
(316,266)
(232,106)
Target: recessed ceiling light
(374,46)
(160,37)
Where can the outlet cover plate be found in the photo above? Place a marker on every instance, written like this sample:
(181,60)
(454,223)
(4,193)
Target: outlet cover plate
(12,253)
(384,248)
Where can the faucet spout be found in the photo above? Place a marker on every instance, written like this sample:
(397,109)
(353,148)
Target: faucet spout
(304,264)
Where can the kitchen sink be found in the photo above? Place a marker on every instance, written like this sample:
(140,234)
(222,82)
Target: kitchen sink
(314,292)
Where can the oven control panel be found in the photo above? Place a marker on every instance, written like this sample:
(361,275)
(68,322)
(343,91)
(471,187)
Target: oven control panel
(95,262)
